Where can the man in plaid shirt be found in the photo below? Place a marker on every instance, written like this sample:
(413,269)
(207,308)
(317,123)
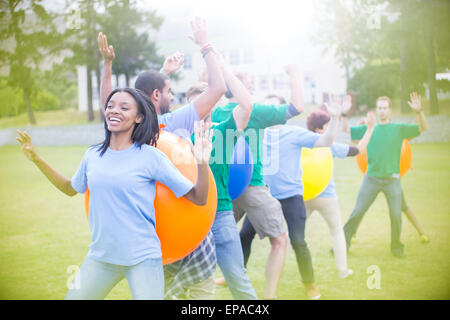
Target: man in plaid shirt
(193,276)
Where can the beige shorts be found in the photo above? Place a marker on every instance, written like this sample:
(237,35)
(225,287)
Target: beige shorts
(263,211)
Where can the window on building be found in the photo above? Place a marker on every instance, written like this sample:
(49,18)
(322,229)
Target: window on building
(234,56)
(263,83)
(280,82)
(248,56)
(187,64)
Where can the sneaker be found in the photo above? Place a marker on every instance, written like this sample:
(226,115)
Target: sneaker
(312,291)
(424,239)
(220,282)
(347,273)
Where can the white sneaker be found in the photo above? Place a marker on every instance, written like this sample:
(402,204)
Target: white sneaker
(347,273)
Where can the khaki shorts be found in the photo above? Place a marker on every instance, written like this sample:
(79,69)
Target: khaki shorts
(263,211)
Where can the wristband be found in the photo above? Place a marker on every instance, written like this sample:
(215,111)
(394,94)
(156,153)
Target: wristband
(206,46)
(208,50)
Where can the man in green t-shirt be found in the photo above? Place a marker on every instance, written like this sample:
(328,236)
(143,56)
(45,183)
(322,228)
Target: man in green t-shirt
(263,210)
(383,172)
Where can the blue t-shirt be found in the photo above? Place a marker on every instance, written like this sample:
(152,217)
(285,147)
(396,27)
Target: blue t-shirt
(181,121)
(122,191)
(282,149)
(338,150)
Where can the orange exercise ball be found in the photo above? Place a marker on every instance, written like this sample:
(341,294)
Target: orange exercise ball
(181,225)
(405,159)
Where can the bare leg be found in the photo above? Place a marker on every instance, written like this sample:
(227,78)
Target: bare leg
(413,219)
(275,263)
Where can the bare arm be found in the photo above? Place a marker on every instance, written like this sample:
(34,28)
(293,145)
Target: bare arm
(216,84)
(327,139)
(345,125)
(416,105)
(296,87)
(108,56)
(243,110)
(172,63)
(57,179)
(346,107)
(202,152)
(370,122)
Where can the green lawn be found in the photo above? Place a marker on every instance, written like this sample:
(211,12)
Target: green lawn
(49,118)
(44,232)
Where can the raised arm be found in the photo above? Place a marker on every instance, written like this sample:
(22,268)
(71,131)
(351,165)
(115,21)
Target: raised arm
(243,110)
(346,107)
(172,63)
(334,110)
(108,56)
(57,179)
(416,105)
(370,121)
(202,152)
(216,84)
(296,86)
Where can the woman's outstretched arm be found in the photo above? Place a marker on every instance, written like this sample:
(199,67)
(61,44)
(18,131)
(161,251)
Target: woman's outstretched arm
(57,179)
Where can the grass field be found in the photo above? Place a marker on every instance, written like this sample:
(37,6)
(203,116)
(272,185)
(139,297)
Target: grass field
(45,233)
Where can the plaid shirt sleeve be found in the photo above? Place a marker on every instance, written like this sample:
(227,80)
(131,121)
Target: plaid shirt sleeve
(194,268)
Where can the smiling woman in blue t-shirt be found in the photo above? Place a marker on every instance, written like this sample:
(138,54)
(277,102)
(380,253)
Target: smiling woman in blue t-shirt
(121,174)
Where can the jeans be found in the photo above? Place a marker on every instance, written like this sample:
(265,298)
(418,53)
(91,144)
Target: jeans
(295,215)
(368,192)
(96,279)
(229,256)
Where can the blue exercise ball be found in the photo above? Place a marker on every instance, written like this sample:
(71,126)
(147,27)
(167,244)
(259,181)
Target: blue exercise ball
(241,169)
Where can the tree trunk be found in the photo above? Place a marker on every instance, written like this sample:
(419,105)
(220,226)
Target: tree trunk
(98,75)
(404,85)
(90,109)
(26,98)
(434,105)
(117,81)
(127,80)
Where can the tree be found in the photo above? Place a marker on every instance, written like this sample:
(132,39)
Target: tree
(82,41)
(409,37)
(28,36)
(343,30)
(126,27)
(419,32)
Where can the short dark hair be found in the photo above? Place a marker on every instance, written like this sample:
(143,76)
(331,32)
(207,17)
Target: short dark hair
(150,80)
(196,89)
(384,98)
(147,131)
(317,119)
(274,96)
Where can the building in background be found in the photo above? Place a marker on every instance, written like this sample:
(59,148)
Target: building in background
(263,60)
(260,44)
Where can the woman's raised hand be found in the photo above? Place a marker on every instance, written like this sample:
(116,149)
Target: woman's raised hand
(27,145)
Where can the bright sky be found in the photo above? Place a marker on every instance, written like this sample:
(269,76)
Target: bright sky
(275,21)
